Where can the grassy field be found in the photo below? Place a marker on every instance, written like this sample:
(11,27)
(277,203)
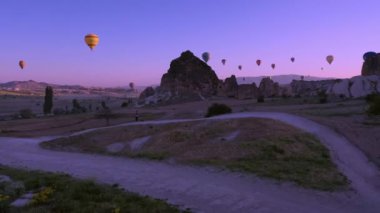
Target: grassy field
(262,146)
(58,125)
(350,120)
(61,193)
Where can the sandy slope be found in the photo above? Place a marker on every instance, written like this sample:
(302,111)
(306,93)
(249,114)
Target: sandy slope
(208,190)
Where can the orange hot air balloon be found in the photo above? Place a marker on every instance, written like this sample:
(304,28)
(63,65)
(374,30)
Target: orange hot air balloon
(330,59)
(273,66)
(21,63)
(224,61)
(240,67)
(292,59)
(91,40)
(258,62)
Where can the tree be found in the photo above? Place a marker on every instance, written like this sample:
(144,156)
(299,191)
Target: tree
(77,108)
(218,109)
(48,104)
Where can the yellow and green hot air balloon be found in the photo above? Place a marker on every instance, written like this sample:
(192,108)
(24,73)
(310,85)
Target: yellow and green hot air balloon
(91,40)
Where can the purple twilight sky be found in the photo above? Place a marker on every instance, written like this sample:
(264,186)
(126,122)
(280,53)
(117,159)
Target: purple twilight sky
(139,38)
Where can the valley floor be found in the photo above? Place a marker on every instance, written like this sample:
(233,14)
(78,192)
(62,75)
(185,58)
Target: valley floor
(210,190)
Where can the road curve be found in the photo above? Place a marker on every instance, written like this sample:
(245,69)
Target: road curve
(210,190)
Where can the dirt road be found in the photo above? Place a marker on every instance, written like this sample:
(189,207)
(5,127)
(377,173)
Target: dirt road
(210,190)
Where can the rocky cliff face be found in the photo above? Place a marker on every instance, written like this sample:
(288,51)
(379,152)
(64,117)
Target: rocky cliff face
(228,88)
(268,88)
(355,87)
(248,91)
(371,65)
(188,79)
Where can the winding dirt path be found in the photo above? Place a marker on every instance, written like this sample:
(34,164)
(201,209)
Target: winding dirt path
(207,189)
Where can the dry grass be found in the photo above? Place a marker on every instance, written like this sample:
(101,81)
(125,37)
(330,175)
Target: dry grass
(262,146)
(58,125)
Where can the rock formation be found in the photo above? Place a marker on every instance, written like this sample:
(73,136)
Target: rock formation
(310,88)
(355,87)
(228,88)
(188,79)
(149,91)
(371,65)
(248,91)
(268,88)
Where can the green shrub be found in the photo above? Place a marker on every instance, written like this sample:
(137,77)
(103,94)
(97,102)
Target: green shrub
(371,97)
(218,109)
(322,97)
(260,99)
(26,113)
(374,106)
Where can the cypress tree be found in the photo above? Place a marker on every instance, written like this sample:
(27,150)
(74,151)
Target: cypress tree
(48,104)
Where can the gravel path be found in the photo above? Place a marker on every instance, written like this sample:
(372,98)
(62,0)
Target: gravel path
(207,189)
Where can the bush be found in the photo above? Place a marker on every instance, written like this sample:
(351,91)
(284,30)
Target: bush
(218,109)
(371,97)
(77,108)
(374,106)
(124,104)
(59,111)
(322,97)
(260,99)
(26,113)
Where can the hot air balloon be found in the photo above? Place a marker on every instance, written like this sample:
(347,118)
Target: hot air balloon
(21,63)
(223,61)
(258,62)
(330,59)
(91,40)
(132,85)
(321,68)
(292,59)
(273,66)
(206,56)
(368,55)
(240,67)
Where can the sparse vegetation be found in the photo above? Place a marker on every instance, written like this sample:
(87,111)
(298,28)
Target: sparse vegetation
(77,108)
(124,104)
(61,193)
(290,154)
(260,99)
(374,104)
(218,109)
(322,97)
(26,113)
(371,97)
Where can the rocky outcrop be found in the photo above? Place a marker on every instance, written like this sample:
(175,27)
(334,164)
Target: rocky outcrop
(355,87)
(268,88)
(311,88)
(228,88)
(189,78)
(371,65)
(149,91)
(248,91)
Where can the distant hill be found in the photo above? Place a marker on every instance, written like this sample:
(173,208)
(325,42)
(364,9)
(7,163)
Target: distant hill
(281,79)
(38,88)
